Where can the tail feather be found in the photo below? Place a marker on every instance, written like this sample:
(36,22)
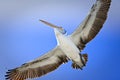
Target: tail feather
(84,58)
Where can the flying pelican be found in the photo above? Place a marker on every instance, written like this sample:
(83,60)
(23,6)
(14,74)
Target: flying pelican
(69,47)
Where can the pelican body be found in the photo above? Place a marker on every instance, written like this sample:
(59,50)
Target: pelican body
(68,47)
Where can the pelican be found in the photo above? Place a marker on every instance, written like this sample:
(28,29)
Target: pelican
(69,47)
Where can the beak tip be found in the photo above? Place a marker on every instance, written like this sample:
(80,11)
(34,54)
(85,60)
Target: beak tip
(40,20)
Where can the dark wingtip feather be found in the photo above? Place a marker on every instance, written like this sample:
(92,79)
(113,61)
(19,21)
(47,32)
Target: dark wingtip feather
(9,73)
(85,57)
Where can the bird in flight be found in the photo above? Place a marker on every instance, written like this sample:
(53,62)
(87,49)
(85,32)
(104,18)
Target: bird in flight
(68,48)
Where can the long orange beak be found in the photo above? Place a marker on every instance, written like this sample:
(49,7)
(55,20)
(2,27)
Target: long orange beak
(49,24)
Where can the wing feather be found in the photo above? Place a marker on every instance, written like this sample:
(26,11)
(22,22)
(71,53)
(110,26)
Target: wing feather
(41,66)
(92,24)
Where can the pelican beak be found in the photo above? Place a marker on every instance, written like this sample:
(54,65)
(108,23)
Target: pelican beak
(49,24)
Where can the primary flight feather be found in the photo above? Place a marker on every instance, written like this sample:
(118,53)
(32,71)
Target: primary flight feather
(69,46)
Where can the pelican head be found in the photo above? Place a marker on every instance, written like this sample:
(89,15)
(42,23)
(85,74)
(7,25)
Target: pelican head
(60,29)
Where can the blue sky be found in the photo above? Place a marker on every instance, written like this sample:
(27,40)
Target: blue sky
(23,37)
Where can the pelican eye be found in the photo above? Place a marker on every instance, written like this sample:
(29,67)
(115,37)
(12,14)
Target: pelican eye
(63,31)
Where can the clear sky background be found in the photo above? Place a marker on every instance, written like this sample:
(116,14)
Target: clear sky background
(23,37)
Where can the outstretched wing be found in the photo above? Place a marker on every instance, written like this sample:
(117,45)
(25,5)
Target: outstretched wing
(92,24)
(38,67)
